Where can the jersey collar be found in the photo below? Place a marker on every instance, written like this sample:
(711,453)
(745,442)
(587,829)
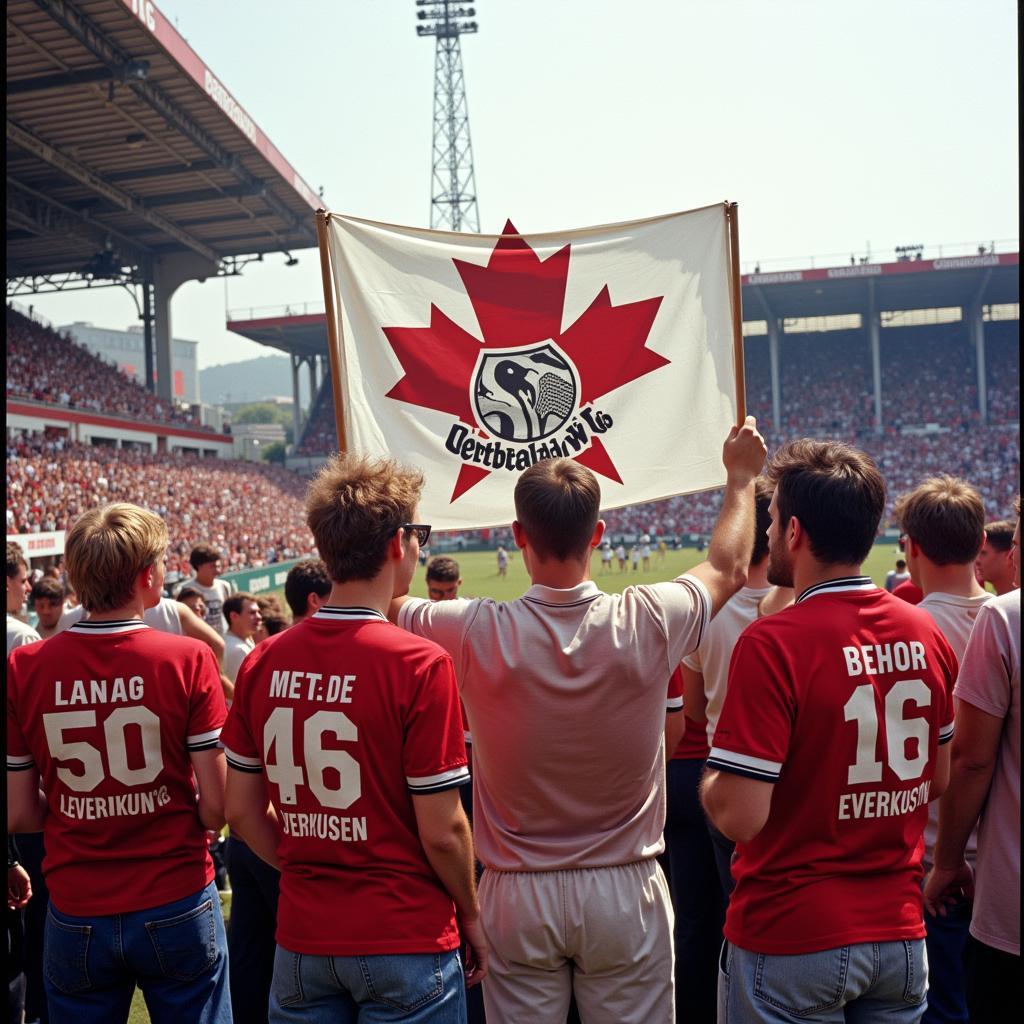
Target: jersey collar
(843,585)
(335,613)
(580,594)
(107,628)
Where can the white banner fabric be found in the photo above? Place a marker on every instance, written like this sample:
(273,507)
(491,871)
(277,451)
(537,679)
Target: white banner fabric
(471,357)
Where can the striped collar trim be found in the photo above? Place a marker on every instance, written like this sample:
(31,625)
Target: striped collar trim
(843,585)
(107,628)
(334,613)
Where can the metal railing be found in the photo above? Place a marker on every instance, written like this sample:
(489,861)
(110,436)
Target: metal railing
(314,306)
(882,254)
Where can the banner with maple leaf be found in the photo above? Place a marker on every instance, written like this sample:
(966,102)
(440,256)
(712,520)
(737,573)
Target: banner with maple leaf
(473,356)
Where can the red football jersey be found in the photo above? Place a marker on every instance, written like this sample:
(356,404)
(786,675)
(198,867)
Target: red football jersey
(841,701)
(909,591)
(694,744)
(349,717)
(109,712)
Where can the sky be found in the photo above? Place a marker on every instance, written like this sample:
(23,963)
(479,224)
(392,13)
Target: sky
(838,128)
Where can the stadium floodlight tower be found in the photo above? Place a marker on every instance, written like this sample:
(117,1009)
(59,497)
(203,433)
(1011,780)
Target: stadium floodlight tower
(452,180)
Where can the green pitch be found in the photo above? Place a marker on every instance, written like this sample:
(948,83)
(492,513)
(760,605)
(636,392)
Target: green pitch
(480,572)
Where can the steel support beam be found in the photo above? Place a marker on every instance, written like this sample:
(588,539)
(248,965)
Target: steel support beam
(874,341)
(81,28)
(773,358)
(26,206)
(97,182)
(976,327)
(69,79)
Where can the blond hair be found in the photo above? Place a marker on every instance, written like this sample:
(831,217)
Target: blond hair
(107,549)
(354,505)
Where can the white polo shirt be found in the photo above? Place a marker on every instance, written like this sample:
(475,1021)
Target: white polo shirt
(565,692)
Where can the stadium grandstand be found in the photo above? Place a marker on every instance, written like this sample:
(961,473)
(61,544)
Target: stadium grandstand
(130,164)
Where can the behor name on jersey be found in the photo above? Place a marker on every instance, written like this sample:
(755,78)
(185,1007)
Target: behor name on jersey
(99,691)
(880,659)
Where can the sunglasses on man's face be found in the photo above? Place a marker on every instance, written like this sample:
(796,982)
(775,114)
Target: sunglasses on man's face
(422,531)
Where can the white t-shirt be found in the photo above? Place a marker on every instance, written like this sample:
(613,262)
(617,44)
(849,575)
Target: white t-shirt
(235,650)
(712,658)
(565,692)
(163,616)
(990,680)
(214,596)
(955,616)
(19,633)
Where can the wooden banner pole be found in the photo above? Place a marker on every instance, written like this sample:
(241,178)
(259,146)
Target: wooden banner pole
(732,215)
(333,329)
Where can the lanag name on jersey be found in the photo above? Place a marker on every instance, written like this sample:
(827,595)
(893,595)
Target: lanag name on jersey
(99,691)
(323,826)
(91,808)
(883,803)
(293,685)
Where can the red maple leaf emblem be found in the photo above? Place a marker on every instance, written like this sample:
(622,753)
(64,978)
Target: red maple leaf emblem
(518,300)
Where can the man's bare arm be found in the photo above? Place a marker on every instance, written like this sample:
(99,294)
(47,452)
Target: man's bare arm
(732,541)
(26,803)
(250,814)
(447,842)
(210,768)
(737,806)
(675,729)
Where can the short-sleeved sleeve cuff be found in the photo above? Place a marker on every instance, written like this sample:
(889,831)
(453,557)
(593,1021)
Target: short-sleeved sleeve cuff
(703,601)
(408,610)
(20,763)
(437,783)
(204,740)
(241,763)
(673,704)
(744,764)
(946,733)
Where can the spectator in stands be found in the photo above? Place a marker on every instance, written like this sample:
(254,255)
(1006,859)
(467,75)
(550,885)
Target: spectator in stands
(47,599)
(943,520)
(827,897)
(306,587)
(131,884)
(443,578)
(243,618)
(573,900)
(985,784)
(45,366)
(18,589)
(894,577)
(241,508)
(995,559)
(206,563)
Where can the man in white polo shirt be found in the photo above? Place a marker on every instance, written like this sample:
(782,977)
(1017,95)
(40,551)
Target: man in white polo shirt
(565,691)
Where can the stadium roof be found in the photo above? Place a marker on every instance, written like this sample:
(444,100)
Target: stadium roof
(121,140)
(988,279)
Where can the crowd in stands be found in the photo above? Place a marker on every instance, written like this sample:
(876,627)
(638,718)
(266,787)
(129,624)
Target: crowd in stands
(252,512)
(45,366)
(320,436)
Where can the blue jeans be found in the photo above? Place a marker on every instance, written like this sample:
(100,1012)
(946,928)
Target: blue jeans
(859,984)
(176,953)
(946,941)
(420,988)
